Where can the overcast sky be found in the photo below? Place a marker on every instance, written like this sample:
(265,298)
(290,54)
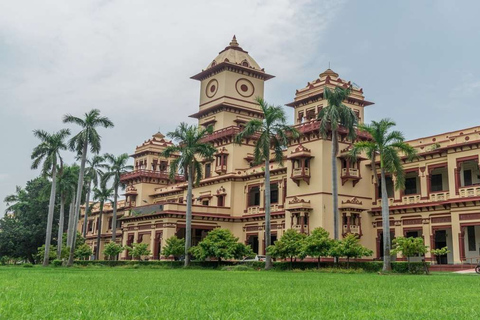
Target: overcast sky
(417,60)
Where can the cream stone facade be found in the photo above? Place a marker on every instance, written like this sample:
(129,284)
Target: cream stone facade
(440,202)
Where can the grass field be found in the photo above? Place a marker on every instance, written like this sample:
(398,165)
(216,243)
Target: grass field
(118,293)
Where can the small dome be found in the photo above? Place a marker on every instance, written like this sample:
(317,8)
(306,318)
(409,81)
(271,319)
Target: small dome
(236,55)
(328,72)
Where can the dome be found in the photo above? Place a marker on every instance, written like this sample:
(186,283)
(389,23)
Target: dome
(236,55)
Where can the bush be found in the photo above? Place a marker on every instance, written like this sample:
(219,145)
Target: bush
(57,263)
(27,265)
(240,267)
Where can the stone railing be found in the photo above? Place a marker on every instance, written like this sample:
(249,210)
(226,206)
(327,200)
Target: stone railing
(300,172)
(470,191)
(439,196)
(354,229)
(253,210)
(414,198)
(350,172)
(390,201)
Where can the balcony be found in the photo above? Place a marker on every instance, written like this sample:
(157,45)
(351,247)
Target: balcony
(353,229)
(390,201)
(143,173)
(299,174)
(440,196)
(221,169)
(411,199)
(301,228)
(350,174)
(470,191)
(253,210)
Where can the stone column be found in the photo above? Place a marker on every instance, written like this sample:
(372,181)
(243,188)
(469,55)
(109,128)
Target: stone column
(427,238)
(456,234)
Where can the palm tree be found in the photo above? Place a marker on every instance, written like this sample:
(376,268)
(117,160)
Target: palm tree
(386,146)
(271,133)
(334,115)
(48,152)
(190,145)
(92,173)
(66,184)
(101,195)
(87,137)
(117,166)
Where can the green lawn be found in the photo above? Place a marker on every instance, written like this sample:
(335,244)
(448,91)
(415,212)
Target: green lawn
(118,293)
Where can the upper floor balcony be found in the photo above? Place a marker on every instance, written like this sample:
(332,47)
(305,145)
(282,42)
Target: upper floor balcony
(144,173)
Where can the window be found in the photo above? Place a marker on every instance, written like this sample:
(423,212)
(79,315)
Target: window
(163,166)
(254,196)
(110,223)
(208,170)
(467,178)
(205,203)
(436,182)
(411,234)
(221,201)
(180,200)
(471,238)
(389,183)
(411,185)
(310,115)
(274,193)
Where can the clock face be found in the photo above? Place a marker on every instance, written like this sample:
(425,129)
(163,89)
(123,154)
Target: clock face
(211,88)
(244,88)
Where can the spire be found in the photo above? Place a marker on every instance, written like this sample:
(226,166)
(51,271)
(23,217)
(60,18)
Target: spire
(234,42)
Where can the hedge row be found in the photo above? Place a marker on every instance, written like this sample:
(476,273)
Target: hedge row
(370,266)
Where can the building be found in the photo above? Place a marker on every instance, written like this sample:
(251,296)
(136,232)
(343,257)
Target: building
(439,203)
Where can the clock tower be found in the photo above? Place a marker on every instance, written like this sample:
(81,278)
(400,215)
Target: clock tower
(229,86)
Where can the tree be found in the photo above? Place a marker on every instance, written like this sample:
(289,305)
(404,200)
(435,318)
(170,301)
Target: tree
(116,167)
(174,247)
(189,146)
(48,153)
(66,184)
(440,252)
(138,250)
(409,247)
(334,115)
(386,146)
(289,246)
(101,195)
(92,174)
(24,224)
(221,244)
(83,251)
(318,244)
(270,133)
(87,137)
(112,250)
(349,247)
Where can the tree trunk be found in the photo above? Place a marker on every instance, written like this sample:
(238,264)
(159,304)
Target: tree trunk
(77,202)
(87,207)
(318,265)
(60,227)
(268,233)
(188,218)
(387,265)
(291,263)
(335,187)
(70,220)
(348,262)
(114,218)
(99,232)
(51,207)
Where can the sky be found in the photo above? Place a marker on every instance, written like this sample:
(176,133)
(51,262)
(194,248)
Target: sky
(417,60)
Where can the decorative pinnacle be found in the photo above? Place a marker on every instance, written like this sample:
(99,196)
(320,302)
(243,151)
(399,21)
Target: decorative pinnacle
(234,42)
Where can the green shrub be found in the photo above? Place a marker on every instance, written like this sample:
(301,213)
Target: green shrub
(240,267)
(57,263)
(27,265)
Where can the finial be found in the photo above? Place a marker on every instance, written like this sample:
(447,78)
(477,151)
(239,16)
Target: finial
(234,42)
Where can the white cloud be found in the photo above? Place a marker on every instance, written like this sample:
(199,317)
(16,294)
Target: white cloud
(137,56)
